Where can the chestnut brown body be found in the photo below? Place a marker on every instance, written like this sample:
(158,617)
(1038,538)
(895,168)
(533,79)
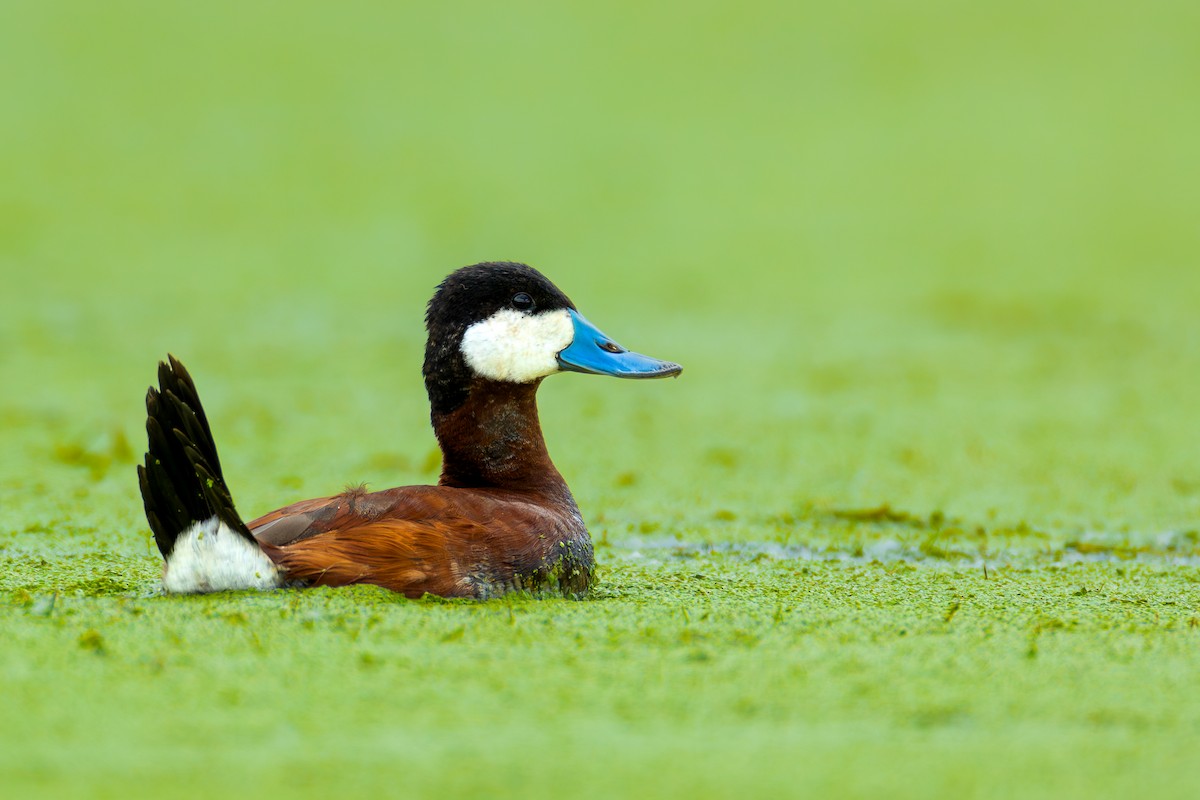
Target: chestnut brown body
(501,518)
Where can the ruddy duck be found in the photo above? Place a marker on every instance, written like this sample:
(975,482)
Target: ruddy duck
(500,519)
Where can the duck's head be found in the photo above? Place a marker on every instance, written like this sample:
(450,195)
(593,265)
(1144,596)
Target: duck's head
(506,322)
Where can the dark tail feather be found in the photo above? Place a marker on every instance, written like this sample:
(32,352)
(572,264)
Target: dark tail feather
(181,480)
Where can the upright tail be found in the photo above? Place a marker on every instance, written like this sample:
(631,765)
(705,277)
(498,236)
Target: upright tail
(206,545)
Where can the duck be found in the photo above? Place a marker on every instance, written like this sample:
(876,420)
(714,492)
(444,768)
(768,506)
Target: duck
(500,519)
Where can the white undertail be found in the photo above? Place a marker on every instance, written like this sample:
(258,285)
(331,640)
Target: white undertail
(210,557)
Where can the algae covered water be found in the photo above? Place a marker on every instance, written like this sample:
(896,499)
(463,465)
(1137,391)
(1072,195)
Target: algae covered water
(920,518)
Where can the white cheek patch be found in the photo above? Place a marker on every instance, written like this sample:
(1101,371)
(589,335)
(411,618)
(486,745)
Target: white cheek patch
(517,347)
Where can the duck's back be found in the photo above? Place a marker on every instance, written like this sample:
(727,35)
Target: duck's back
(455,542)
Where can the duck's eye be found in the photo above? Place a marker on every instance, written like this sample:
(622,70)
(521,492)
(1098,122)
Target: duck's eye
(522,302)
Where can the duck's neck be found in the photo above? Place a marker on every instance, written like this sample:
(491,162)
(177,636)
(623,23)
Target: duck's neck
(494,439)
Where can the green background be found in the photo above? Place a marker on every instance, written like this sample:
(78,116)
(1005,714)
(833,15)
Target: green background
(931,269)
